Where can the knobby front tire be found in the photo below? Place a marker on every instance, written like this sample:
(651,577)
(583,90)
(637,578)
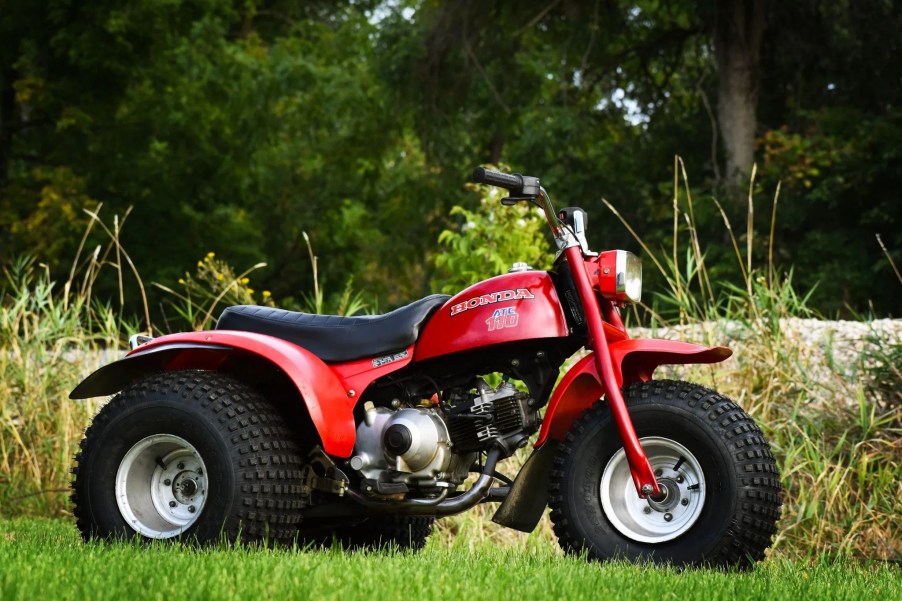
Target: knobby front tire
(723,487)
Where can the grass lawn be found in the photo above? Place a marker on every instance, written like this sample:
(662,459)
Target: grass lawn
(42,559)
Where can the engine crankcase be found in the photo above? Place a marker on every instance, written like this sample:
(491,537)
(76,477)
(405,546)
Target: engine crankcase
(402,445)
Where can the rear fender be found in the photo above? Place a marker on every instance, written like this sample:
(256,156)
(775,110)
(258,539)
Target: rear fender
(328,402)
(633,361)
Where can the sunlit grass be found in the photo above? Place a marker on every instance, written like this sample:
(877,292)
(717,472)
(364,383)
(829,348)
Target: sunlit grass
(44,559)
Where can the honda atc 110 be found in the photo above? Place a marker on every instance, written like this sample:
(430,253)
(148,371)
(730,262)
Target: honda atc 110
(279,426)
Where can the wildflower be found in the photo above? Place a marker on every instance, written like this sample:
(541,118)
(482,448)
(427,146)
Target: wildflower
(245,281)
(181,281)
(267,294)
(200,264)
(210,255)
(250,290)
(220,277)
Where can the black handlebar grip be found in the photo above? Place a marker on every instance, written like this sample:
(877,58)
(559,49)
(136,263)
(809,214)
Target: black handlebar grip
(510,181)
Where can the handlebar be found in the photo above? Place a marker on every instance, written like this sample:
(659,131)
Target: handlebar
(510,181)
(525,187)
(518,185)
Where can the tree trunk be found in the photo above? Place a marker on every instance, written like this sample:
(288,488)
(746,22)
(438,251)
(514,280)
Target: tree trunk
(738,27)
(7,116)
(496,146)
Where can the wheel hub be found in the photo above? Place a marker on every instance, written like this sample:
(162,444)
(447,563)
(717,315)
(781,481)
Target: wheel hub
(161,486)
(671,513)
(185,487)
(669,498)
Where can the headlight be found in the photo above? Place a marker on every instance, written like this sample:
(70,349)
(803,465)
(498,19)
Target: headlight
(620,276)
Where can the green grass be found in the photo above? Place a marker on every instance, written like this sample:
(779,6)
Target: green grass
(44,559)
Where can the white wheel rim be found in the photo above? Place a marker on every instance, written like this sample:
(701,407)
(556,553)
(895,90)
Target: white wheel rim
(647,520)
(161,486)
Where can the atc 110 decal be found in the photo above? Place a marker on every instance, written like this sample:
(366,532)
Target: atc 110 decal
(504,317)
(491,298)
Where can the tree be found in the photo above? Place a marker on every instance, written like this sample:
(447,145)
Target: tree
(228,127)
(234,127)
(598,97)
(737,31)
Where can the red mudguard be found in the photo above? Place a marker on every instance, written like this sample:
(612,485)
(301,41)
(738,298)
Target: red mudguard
(328,392)
(634,360)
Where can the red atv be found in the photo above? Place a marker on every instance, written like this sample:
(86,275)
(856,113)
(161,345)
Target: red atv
(363,430)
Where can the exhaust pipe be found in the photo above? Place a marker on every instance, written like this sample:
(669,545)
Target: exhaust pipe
(441,506)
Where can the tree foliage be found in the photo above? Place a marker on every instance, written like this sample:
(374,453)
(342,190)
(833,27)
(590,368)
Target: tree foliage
(232,127)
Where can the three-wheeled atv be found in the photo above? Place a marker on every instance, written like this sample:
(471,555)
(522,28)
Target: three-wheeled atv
(280,425)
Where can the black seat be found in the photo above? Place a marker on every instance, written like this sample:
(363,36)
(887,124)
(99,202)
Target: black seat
(335,338)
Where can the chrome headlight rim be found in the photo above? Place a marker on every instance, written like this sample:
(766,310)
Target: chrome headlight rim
(628,272)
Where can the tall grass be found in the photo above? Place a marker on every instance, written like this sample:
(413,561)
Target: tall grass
(835,423)
(49,339)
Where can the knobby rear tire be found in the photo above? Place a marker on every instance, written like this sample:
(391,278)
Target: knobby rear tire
(249,488)
(724,509)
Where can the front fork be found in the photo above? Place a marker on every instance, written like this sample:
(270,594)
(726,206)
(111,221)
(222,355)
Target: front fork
(643,476)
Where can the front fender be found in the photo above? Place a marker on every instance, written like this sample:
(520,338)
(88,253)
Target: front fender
(324,395)
(633,360)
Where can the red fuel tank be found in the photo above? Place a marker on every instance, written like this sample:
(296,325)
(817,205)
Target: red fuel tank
(507,308)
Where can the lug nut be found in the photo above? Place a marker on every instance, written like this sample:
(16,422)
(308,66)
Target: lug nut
(200,472)
(647,509)
(668,517)
(181,466)
(172,503)
(658,472)
(167,481)
(680,479)
(684,502)
(192,509)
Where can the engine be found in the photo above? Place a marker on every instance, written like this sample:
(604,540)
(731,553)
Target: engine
(433,447)
(500,417)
